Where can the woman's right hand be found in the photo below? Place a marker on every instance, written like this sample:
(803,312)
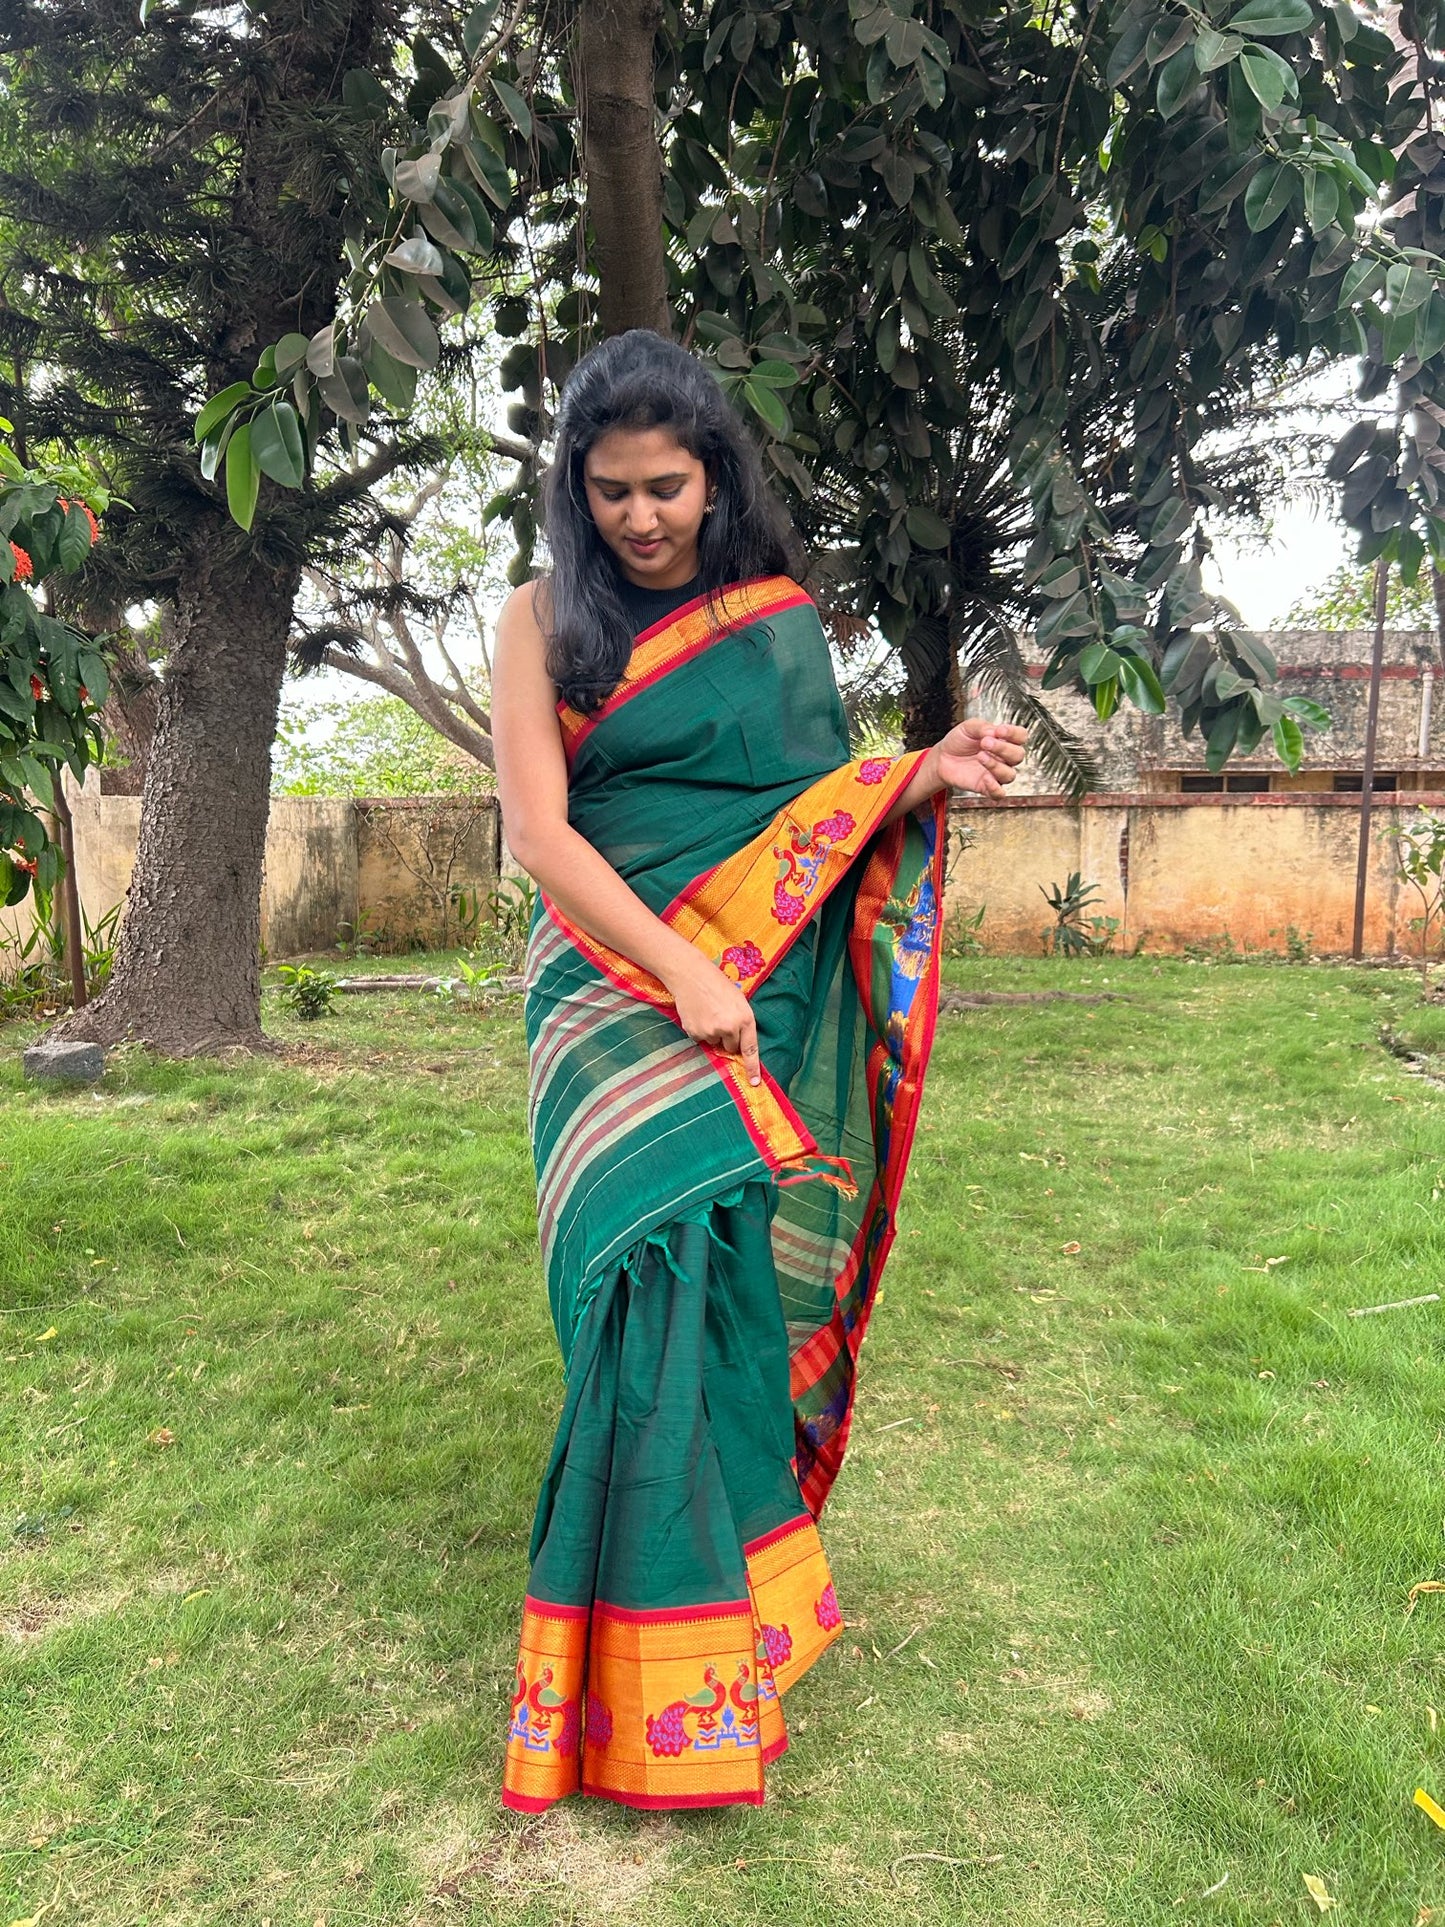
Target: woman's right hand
(713,1010)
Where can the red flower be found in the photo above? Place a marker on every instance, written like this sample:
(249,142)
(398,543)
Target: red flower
(24,567)
(84,693)
(25,863)
(38,689)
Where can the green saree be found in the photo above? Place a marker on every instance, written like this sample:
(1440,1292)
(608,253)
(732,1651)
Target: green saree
(713,1249)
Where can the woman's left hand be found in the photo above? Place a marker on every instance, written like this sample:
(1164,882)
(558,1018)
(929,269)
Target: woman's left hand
(980,755)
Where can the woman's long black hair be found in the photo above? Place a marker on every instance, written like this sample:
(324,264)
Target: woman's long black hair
(641,380)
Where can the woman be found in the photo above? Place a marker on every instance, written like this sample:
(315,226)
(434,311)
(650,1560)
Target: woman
(731,986)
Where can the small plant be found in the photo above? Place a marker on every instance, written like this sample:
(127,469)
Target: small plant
(357,937)
(1102,932)
(473,979)
(1419,861)
(960,933)
(513,904)
(1299,945)
(1068,937)
(309,992)
(33,972)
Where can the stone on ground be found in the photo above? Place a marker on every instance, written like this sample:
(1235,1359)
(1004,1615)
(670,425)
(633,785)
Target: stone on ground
(65,1063)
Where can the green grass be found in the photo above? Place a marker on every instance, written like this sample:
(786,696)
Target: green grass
(1125,1541)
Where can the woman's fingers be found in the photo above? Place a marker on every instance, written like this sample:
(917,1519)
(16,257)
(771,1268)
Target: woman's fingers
(748,1050)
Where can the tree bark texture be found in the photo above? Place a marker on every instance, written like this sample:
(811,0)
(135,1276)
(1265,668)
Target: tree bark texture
(933,691)
(613,75)
(187,975)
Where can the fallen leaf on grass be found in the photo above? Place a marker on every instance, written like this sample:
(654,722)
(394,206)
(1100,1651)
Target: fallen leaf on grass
(162,1435)
(1070,1250)
(1424,1585)
(1429,1807)
(45,1337)
(1319,1893)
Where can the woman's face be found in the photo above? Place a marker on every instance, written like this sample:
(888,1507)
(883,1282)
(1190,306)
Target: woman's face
(647,496)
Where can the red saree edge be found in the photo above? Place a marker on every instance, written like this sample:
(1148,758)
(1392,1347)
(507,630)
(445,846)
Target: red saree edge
(524,1803)
(671,1615)
(906,1108)
(652,1802)
(754,1546)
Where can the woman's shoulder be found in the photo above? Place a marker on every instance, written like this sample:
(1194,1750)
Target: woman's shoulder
(524,613)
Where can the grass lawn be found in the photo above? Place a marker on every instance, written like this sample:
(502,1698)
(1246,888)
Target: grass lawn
(1125,1544)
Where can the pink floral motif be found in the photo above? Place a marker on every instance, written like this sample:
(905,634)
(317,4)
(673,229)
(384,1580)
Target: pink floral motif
(745,958)
(874,769)
(777,1645)
(564,1740)
(834,827)
(599,1722)
(666,1732)
(826,1611)
(787,908)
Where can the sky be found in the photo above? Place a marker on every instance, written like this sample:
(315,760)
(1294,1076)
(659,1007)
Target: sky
(1265,575)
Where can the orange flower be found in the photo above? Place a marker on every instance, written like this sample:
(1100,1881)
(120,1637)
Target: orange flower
(24,567)
(38,689)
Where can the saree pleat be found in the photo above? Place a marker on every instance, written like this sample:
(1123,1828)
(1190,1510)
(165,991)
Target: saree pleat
(713,1249)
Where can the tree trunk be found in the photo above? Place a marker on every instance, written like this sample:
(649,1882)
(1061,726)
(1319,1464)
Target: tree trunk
(1437,583)
(613,74)
(933,692)
(187,975)
(128,715)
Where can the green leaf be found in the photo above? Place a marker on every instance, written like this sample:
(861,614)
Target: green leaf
(415,255)
(417,180)
(1407,288)
(219,406)
(474,27)
(1289,742)
(777,374)
(1099,663)
(1311,714)
(278,447)
(290,354)
(1268,78)
(1061,577)
(243,478)
(1222,738)
(1105,697)
(362,92)
(345,390)
(1140,684)
(1178,79)
(1268,195)
(518,112)
(74,543)
(1173,519)
(1213,49)
(767,406)
(405,330)
(928,529)
(1322,198)
(489,170)
(1266,19)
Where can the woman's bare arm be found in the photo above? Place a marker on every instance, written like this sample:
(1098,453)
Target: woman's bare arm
(532,781)
(975,755)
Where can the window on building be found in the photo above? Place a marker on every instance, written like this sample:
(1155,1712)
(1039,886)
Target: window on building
(1353,780)
(1200,783)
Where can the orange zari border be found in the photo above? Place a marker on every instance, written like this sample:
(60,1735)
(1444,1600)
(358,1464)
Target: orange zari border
(684,634)
(675,1708)
(732,914)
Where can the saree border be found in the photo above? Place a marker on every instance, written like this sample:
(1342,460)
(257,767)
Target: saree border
(813,1359)
(677,639)
(583,1673)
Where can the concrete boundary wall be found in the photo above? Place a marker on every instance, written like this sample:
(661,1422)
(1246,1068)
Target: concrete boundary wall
(1173,869)
(329,862)
(1184,869)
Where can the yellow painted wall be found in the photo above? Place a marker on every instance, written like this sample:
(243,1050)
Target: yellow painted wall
(1245,867)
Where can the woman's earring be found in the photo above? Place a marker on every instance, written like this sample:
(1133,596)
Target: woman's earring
(711,505)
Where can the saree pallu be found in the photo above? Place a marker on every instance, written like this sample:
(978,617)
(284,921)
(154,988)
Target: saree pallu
(713,1249)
